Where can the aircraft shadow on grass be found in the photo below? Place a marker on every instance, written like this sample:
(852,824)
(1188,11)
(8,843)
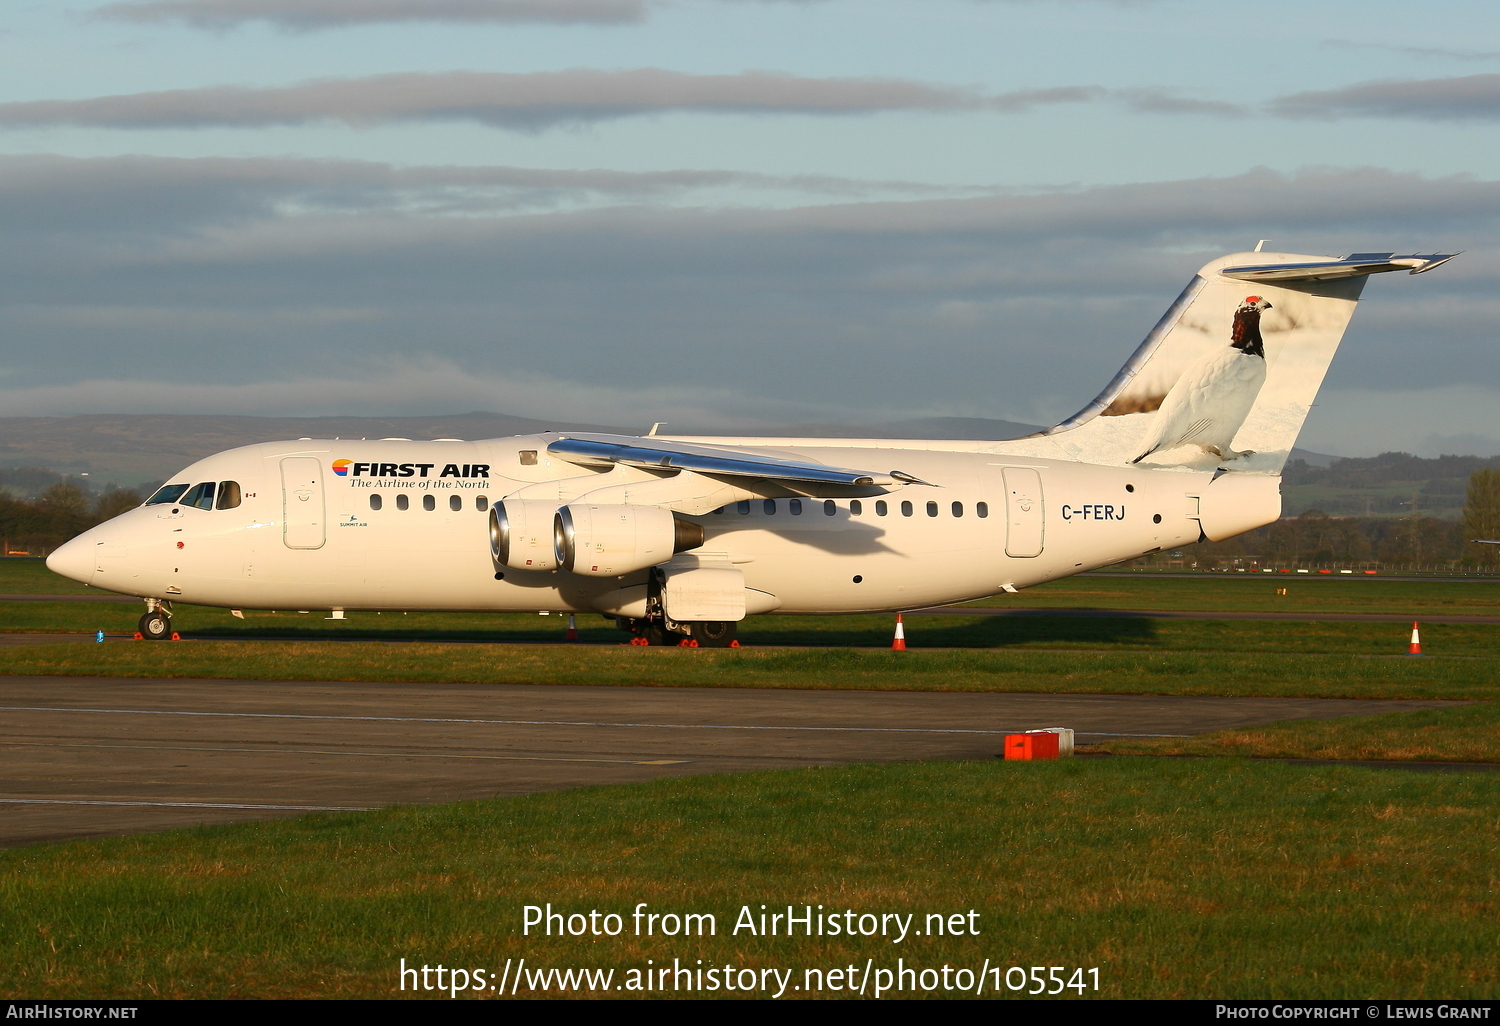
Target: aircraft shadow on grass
(930,632)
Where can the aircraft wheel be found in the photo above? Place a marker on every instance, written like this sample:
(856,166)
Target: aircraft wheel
(155,626)
(713,633)
(656,634)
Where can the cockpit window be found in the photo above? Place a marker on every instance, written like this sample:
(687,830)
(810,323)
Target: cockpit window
(229,494)
(166,494)
(200,495)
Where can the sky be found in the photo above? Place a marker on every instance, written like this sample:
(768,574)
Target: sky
(728,213)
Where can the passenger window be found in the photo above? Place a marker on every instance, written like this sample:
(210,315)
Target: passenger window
(770,507)
(932,509)
(905,508)
(374,502)
(796,507)
(169,493)
(528,457)
(455,503)
(958,509)
(402,502)
(830,507)
(856,507)
(880,507)
(981,510)
(481,502)
(743,507)
(429,502)
(201,495)
(229,495)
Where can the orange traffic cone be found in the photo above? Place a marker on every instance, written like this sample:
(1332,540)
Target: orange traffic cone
(898,643)
(1415,648)
(572,634)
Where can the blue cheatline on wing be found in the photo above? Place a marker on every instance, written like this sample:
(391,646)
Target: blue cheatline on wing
(1227,376)
(666,454)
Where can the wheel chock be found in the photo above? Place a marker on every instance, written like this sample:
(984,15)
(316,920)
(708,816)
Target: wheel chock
(638,641)
(688,643)
(735,643)
(176,636)
(138,637)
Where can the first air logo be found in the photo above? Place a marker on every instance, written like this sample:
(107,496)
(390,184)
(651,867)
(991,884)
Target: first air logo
(349,468)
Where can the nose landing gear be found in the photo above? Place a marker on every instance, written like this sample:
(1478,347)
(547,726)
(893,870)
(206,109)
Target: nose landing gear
(156,624)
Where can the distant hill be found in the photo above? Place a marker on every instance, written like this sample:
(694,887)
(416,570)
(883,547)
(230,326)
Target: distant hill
(132,448)
(977,429)
(1384,485)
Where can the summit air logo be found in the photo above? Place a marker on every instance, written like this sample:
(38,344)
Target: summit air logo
(348,468)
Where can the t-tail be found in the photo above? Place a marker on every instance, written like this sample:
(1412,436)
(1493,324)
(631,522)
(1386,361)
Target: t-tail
(1227,376)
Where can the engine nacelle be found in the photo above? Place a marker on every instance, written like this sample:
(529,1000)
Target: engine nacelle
(521,535)
(609,540)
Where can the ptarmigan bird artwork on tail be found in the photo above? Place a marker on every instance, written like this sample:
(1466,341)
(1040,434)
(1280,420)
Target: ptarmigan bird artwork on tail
(1213,397)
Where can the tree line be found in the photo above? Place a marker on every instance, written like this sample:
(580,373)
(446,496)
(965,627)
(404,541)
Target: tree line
(62,511)
(1314,538)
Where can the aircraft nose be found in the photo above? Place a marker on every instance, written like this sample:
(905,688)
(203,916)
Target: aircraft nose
(74,559)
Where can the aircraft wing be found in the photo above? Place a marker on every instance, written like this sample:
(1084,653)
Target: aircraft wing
(718,460)
(1351,266)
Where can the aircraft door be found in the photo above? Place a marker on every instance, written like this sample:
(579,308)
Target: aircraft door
(1025,523)
(303,517)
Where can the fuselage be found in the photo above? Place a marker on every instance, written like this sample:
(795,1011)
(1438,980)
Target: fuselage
(403,525)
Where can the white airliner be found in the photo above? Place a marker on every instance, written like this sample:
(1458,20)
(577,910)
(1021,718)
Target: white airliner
(678,539)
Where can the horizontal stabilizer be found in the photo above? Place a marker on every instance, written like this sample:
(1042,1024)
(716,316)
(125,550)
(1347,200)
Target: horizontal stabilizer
(1351,266)
(664,454)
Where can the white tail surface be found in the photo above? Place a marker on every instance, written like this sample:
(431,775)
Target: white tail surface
(1227,376)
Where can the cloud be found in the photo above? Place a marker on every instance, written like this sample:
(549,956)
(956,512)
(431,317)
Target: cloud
(309,15)
(47,199)
(525,102)
(1161,101)
(304,15)
(1468,98)
(1437,52)
(410,387)
(217,274)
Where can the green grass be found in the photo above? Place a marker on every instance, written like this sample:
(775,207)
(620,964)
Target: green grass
(1218,592)
(28,575)
(1196,878)
(945,631)
(1160,673)
(1306,593)
(1466,734)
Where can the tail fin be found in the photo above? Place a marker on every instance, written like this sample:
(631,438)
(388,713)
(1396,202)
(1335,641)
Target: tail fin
(1228,374)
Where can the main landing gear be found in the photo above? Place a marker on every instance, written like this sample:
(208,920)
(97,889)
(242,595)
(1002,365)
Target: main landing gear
(693,634)
(657,628)
(156,625)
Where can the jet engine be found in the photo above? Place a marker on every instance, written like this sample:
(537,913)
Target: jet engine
(609,540)
(521,535)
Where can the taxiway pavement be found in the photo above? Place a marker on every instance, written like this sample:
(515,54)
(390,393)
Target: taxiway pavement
(98,756)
